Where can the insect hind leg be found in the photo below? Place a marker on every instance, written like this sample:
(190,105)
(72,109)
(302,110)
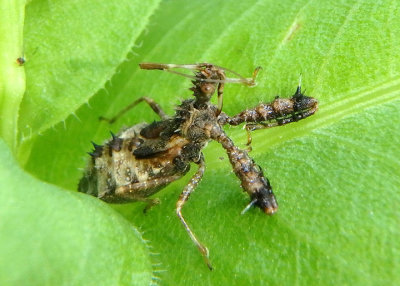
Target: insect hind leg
(154,106)
(189,188)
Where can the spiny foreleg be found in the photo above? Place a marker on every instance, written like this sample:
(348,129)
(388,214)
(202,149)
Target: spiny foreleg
(154,106)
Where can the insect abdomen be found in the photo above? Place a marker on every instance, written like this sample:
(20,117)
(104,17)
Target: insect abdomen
(251,175)
(114,166)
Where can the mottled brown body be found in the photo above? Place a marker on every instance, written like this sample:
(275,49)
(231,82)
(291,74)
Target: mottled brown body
(141,160)
(116,175)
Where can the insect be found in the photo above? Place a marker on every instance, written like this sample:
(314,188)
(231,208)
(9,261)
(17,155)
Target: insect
(20,61)
(141,160)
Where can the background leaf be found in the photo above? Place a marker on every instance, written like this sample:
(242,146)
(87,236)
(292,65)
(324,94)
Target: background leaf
(72,49)
(335,174)
(51,236)
(12,75)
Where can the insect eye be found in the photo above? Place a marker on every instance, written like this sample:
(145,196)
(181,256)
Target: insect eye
(207,88)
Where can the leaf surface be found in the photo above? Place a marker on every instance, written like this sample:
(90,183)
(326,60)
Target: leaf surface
(335,174)
(51,236)
(72,49)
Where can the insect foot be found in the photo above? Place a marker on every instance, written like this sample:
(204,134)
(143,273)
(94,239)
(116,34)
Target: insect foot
(141,160)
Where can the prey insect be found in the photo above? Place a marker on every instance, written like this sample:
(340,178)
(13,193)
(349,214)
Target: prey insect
(141,160)
(20,61)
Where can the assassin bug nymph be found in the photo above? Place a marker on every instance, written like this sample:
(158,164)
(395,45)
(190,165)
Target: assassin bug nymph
(141,160)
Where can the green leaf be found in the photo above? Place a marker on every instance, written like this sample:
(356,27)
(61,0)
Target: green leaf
(12,76)
(51,236)
(72,49)
(335,174)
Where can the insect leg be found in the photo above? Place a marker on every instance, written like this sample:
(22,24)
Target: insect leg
(189,188)
(222,76)
(155,106)
(254,126)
